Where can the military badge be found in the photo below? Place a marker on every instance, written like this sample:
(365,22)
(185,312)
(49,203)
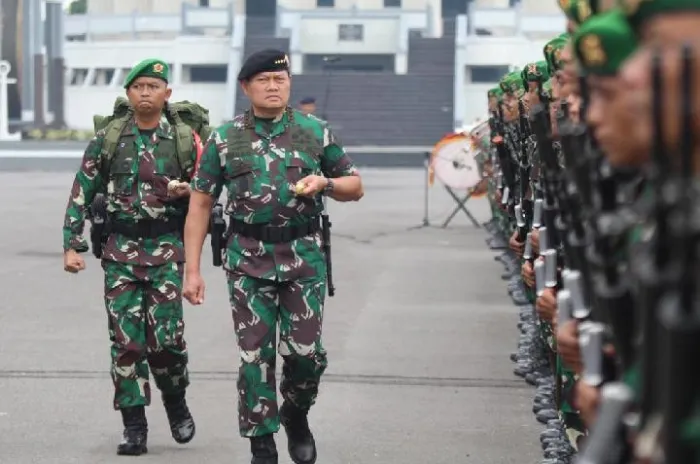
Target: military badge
(158,68)
(592,50)
(583,10)
(532,70)
(284,61)
(564,4)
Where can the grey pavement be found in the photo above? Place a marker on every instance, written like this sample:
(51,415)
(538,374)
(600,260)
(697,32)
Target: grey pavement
(64,155)
(418,337)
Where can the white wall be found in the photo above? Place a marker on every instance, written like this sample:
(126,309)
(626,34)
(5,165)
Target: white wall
(319,36)
(362,4)
(83,102)
(152,6)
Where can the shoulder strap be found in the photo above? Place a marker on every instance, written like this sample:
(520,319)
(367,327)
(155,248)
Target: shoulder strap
(184,140)
(200,151)
(113,133)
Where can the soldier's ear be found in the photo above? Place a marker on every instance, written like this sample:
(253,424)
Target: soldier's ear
(244,87)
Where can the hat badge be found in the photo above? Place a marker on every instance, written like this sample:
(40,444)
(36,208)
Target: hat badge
(592,50)
(158,68)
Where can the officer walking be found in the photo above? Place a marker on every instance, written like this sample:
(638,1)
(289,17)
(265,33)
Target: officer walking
(143,255)
(276,163)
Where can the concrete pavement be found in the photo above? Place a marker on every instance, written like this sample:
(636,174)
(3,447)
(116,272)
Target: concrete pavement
(418,337)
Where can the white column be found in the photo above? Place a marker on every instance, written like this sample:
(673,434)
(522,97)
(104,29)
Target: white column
(5,135)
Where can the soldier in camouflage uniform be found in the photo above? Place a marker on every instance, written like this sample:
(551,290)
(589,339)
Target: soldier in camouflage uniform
(142,257)
(275,164)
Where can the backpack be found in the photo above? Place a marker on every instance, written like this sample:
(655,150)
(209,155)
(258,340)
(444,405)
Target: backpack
(190,121)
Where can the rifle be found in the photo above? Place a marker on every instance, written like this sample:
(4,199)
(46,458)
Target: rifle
(326,236)
(99,222)
(217,230)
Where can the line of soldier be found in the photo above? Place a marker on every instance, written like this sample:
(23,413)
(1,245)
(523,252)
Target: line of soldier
(149,182)
(592,181)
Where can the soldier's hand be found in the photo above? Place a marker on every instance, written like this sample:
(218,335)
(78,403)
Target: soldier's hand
(586,400)
(546,305)
(515,245)
(73,262)
(528,274)
(193,289)
(178,189)
(310,186)
(535,240)
(568,345)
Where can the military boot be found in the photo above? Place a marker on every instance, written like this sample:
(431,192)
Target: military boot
(181,422)
(300,440)
(545,415)
(263,449)
(135,438)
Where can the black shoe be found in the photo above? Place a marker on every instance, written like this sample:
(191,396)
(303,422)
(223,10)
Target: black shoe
(181,422)
(300,440)
(135,440)
(263,449)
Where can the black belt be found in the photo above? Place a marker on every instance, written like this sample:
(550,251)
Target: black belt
(273,234)
(147,228)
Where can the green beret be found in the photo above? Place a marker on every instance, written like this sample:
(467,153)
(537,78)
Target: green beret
(576,10)
(264,61)
(552,52)
(535,72)
(512,83)
(495,92)
(638,11)
(152,67)
(603,43)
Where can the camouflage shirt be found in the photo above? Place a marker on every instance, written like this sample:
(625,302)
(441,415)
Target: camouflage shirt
(259,162)
(135,181)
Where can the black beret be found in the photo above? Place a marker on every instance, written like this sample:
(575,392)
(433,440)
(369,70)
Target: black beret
(307,100)
(264,61)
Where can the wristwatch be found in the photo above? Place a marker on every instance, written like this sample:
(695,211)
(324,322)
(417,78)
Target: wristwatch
(328,189)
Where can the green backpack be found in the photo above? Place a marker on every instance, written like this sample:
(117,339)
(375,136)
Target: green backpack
(186,118)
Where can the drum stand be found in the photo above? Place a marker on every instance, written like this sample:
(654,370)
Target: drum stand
(426,201)
(460,206)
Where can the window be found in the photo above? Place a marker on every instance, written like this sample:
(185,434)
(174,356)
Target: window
(392,3)
(208,73)
(204,3)
(351,32)
(486,74)
(325,3)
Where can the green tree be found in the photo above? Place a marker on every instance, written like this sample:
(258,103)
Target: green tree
(77,7)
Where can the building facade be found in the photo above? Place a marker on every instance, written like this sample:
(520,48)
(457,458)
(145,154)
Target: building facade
(422,51)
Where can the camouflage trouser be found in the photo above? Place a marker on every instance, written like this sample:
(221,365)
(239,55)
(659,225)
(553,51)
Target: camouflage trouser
(144,307)
(258,306)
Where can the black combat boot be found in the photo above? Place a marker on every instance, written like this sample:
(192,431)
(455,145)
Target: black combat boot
(181,422)
(135,438)
(300,440)
(263,449)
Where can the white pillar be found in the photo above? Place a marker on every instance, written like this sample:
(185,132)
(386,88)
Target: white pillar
(5,135)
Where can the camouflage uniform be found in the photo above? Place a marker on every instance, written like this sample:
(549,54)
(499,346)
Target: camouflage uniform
(143,276)
(259,162)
